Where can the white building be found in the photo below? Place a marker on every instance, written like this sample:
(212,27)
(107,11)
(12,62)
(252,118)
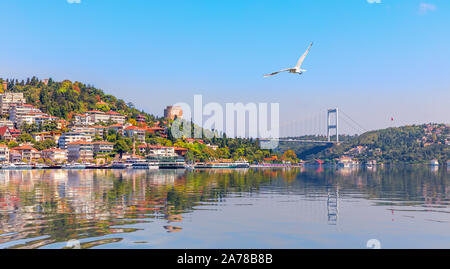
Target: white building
(80,151)
(4,153)
(55,155)
(9,99)
(70,137)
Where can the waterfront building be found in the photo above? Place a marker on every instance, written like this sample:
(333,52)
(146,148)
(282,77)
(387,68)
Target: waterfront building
(14,156)
(4,153)
(10,99)
(173,112)
(102,147)
(28,153)
(69,137)
(54,155)
(80,151)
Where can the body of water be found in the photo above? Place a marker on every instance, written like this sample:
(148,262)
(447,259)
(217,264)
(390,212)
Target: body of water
(401,207)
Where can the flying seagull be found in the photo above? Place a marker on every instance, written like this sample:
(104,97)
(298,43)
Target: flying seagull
(297,69)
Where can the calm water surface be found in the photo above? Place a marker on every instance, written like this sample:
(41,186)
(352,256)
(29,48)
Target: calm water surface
(402,207)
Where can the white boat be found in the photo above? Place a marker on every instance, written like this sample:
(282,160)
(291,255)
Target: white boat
(434,162)
(121,165)
(17,166)
(189,167)
(40,166)
(74,166)
(145,165)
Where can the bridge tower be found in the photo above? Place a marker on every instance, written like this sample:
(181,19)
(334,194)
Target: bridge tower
(335,125)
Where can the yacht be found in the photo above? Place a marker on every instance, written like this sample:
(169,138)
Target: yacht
(17,166)
(74,166)
(121,165)
(145,165)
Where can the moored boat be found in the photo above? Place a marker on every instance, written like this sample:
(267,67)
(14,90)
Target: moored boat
(73,166)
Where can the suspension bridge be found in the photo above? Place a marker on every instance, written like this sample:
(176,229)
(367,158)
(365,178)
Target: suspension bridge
(323,128)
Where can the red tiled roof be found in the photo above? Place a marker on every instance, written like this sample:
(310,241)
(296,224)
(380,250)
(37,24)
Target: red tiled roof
(3,130)
(134,128)
(3,146)
(113,113)
(115,125)
(25,147)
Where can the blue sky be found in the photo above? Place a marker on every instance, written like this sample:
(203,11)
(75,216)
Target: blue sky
(372,60)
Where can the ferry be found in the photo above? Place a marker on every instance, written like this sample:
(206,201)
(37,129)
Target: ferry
(216,165)
(121,165)
(74,166)
(145,165)
(17,166)
(40,166)
(242,164)
(168,162)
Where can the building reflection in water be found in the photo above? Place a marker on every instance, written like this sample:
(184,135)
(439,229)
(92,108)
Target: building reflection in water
(50,206)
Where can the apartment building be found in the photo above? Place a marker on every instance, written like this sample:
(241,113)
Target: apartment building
(70,137)
(80,151)
(42,136)
(4,153)
(137,132)
(28,153)
(10,99)
(54,155)
(102,147)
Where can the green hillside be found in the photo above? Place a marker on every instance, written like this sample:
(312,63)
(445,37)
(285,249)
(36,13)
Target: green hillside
(60,99)
(406,144)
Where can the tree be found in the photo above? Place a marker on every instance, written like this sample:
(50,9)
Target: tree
(289,156)
(121,147)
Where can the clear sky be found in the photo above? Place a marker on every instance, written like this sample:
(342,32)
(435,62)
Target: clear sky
(372,60)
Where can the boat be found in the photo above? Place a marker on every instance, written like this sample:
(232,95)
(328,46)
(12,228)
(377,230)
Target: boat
(216,165)
(189,166)
(17,166)
(168,162)
(145,165)
(242,164)
(74,166)
(40,166)
(434,162)
(121,165)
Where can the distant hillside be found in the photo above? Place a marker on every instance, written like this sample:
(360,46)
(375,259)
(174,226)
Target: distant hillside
(61,99)
(408,144)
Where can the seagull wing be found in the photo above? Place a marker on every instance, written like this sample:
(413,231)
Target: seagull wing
(300,61)
(274,73)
